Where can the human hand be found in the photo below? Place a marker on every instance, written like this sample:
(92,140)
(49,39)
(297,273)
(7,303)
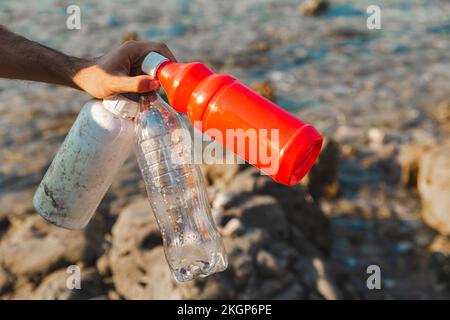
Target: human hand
(118,71)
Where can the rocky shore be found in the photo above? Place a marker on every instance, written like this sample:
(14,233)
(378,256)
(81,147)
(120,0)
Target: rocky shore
(378,195)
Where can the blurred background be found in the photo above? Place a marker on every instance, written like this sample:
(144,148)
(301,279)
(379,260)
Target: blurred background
(378,195)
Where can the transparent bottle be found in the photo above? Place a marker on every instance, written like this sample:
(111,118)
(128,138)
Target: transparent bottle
(177,194)
(92,153)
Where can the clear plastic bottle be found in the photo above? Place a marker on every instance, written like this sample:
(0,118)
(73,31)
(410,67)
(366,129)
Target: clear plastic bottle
(177,194)
(92,153)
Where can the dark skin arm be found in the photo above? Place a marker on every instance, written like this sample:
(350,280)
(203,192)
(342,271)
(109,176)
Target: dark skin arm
(118,71)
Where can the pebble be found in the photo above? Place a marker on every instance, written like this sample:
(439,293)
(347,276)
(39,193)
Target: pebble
(233,227)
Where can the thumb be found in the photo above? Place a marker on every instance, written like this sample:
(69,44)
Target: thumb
(138,84)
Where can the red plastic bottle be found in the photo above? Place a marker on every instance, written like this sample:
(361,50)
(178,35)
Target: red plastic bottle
(220,102)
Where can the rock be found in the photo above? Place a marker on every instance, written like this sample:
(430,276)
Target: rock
(222,200)
(219,202)
(128,36)
(313,7)
(217,215)
(440,261)
(260,240)
(258,46)
(265,89)
(51,126)
(220,175)
(315,276)
(244,183)
(267,263)
(113,295)
(138,265)
(376,137)
(246,58)
(434,188)
(260,252)
(440,244)
(144,275)
(242,267)
(242,253)
(441,113)
(404,247)
(294,292)
(33,247)
(409,158)
(136,218)
(321,181)
(103,266)
(15,203)
(232,228)
(326,289)
(424,237)
(262,212)
(347,32)
(240,280)
(4,281)
(309,228)
(348,134)
(324,286)
(275,287)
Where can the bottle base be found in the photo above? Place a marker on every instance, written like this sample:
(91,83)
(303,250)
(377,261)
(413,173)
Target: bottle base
(200,269)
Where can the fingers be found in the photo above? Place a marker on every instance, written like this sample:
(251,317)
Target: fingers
(137,50)
(138,84)
(122,64)
(159,47)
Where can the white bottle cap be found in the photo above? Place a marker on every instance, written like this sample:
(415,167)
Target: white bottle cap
(152,62)
(122,106)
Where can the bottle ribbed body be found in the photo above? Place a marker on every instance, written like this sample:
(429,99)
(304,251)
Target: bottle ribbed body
(176,191)
(83,169)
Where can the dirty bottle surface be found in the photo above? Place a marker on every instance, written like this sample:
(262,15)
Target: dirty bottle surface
(177,194)
(92,153)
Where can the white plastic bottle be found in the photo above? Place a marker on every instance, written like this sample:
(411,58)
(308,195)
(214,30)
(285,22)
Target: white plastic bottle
(95,148)
(177,194)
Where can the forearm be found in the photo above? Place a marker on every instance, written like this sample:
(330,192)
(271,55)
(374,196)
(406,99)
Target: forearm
(118,71)
(23,59)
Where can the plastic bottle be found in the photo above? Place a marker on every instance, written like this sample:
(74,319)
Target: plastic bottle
(192,244)
(220,102)
(95,148)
